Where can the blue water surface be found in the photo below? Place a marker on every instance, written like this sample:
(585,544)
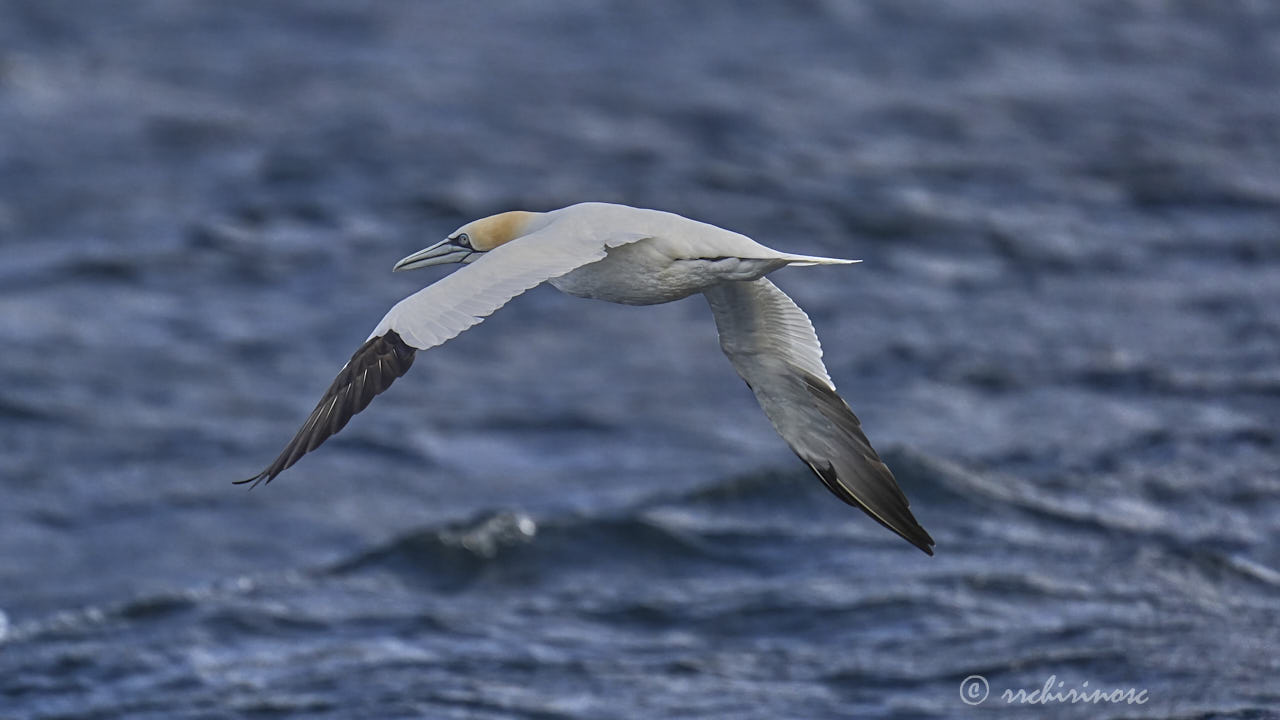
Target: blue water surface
(1063,340)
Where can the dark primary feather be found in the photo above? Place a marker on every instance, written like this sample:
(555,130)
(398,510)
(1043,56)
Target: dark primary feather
(859,466)
(370,371)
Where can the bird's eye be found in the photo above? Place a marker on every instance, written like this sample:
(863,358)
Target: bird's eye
(464,240)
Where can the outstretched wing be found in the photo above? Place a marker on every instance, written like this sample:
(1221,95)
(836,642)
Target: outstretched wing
(436,314)
(442,310)
(772,345)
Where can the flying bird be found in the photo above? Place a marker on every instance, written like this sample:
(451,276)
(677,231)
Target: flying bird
(637,257)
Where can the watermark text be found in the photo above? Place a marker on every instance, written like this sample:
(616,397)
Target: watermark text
(975,689)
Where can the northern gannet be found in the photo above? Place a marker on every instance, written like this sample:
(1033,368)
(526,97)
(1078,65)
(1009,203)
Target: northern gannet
(638,257)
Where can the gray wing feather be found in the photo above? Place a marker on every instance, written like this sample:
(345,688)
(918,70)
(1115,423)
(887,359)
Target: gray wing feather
(773,346)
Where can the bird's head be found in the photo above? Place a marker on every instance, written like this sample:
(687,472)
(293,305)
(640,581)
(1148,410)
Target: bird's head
(472,240)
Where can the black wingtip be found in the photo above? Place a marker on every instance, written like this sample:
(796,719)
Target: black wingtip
(256,479)
(913,533)
(897,517)
(917,535)
(870,485)
(371,370)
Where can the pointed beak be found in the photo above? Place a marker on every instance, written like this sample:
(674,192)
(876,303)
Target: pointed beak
(442,253)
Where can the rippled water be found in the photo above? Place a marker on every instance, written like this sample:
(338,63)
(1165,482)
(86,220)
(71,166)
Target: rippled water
(1063,339)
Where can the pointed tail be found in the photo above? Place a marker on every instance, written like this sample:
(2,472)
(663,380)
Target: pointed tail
(806,260)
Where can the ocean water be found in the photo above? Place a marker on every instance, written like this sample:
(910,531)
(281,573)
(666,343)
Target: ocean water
(1064,340)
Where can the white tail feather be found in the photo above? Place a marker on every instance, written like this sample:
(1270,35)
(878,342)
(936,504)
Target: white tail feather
(806,260)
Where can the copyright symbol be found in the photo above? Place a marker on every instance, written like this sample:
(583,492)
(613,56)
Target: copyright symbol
(974,689)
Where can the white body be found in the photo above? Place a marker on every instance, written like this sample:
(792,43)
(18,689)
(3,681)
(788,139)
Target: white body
(677,258)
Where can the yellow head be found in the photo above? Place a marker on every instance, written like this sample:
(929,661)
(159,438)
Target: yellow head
(488,233)
(469,241)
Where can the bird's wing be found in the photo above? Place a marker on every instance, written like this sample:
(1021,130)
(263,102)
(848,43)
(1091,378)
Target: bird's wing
(773,346)
(436,314)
